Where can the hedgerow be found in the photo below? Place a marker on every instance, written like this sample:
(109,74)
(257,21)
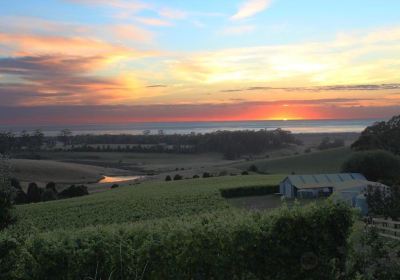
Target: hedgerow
(296,243)
(249,191)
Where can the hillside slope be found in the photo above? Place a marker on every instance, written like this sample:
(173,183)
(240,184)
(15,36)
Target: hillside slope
(329,161)
(149,200)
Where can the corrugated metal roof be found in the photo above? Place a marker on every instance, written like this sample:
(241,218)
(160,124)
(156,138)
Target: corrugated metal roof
(323,180)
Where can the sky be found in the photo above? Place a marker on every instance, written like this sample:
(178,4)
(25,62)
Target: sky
(121,61)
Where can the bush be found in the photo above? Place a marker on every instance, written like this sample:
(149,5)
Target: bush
(328,143)
(34,193)
(114,186)
(15,184)
(196,176)
(372,257)
(74,191)
(310,242)
(20,196)
(380,136)
(177,177)
(374,165)
(207,175)
(245,173)
(384,202)
(253,168)
(168,178)
(6,218)
(51,186)
(49,195)
(249,191)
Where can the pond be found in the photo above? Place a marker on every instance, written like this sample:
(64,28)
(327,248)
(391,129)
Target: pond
(116,179)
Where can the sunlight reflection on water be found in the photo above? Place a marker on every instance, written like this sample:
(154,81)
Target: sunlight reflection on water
(116,179)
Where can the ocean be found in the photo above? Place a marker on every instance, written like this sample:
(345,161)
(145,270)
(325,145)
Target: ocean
(295,126)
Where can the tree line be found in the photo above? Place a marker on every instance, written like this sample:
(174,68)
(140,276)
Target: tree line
(232,144)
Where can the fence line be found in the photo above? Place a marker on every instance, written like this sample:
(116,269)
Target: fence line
(387,228)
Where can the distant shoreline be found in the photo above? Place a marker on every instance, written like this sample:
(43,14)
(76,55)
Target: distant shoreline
(295,126)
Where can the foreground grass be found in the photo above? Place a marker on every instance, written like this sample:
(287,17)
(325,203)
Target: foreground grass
(329,161)
(150,200)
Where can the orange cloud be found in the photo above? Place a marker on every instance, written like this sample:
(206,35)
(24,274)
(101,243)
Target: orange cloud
(41,45)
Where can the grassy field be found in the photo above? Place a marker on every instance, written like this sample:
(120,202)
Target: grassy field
(60,172)
(150,200)
(141,163)
(329,161)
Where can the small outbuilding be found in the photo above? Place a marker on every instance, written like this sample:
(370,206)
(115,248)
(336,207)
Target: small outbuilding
(320,185)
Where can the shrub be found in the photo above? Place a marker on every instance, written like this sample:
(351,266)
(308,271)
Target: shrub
(245,173)
(15,184)
(177,177)
(168,178)
(384,202)
(196,176)
(228,245)
(206,175)
(372,257)
(380,136)
(34,193)
(375,165)
(20,196)
(49,195)
(74,191)
(253,168)
(51,186)
(6,217)
(249,191)
(114,186)
(328,143)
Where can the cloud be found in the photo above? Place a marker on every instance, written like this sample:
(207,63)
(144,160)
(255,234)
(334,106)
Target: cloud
(125,9)
(238,30)
(335,62)
(26,44)
(55,79)
(172,13)
(378,87)
(103,114)
(129,32)
(250,8)
(153,21)
(157,86)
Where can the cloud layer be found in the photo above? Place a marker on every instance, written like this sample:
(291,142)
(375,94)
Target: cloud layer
(250,8)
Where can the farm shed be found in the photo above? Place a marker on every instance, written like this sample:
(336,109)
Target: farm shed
(317,185)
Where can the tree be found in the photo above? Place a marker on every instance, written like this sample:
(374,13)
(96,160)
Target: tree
(168,178)
(177,177)
(381,135)
(48,195)
(74,191)
(20,196)
(6,217)
(24,139)
(384,202)
(51,186)
(375,165)
(7,142)
(328,143)
(36,140)
(34,193)
(253,168)
(65,136)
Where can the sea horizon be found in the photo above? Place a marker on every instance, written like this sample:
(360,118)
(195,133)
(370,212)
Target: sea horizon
(187,127)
